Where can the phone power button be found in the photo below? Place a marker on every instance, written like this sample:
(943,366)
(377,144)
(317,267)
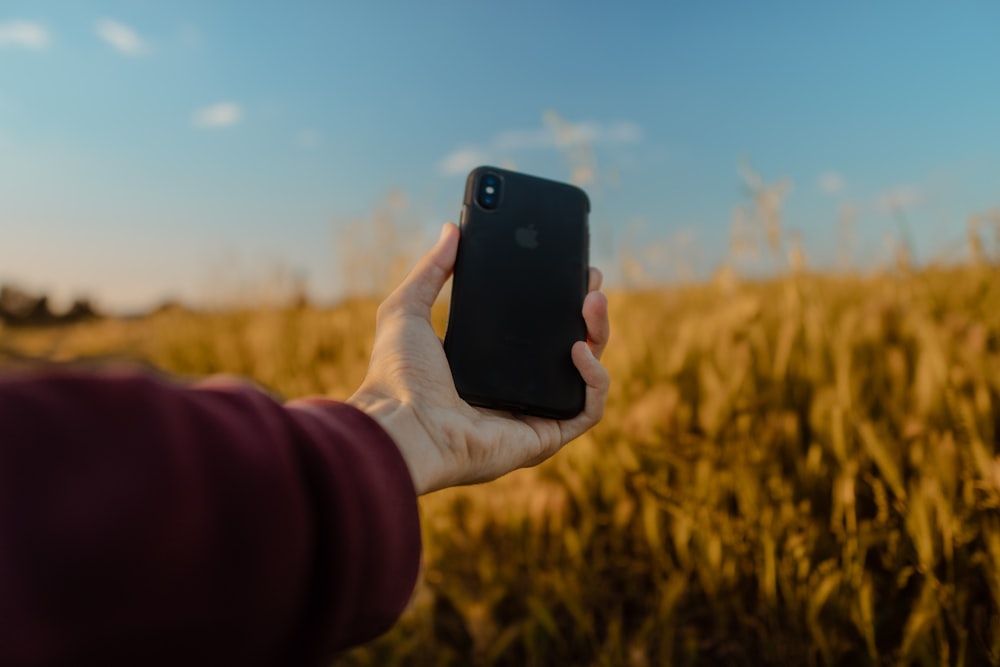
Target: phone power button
(461,218)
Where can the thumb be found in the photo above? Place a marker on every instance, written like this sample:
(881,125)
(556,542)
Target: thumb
(417,292)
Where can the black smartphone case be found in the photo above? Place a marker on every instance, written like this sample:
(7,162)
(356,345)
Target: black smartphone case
(520,279)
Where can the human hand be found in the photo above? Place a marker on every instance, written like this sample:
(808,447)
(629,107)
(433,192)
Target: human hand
(409,389)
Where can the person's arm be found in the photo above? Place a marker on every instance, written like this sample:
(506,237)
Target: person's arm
(146,523)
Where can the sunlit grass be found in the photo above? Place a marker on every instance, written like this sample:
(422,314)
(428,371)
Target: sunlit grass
(797,472)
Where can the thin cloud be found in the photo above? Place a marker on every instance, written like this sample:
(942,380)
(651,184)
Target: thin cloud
(462,161)
(121,37)
(899,198)
(190,36)
(621,133)
(558,133)
(512,140)
(223,114)
(25,34)
(567,134)
(555,134)
(309,138)
(831,183)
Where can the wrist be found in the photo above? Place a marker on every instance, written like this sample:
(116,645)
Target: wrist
(413,441)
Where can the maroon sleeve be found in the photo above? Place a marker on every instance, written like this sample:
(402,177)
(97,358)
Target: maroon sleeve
(147,523)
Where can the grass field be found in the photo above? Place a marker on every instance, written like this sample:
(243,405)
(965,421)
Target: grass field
(799,472)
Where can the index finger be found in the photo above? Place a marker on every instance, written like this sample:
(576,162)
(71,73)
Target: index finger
(594,279)
(595,314)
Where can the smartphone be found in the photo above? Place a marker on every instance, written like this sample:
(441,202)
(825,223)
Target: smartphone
(516,303)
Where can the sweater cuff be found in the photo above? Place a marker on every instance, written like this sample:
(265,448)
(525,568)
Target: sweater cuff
(379,508)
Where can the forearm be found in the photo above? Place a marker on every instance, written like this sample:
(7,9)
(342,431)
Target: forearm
(146,523)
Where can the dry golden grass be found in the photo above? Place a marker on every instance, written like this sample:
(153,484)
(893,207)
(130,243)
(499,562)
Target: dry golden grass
(802,472)
(798,472)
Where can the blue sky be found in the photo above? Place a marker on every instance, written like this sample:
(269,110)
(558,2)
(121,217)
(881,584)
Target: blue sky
(152,150)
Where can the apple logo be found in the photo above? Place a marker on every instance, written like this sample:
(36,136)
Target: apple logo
(526,237)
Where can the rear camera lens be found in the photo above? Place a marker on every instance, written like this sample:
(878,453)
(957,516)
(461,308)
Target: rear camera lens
(488,191)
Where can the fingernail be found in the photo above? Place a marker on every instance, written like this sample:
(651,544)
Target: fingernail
(444,230)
